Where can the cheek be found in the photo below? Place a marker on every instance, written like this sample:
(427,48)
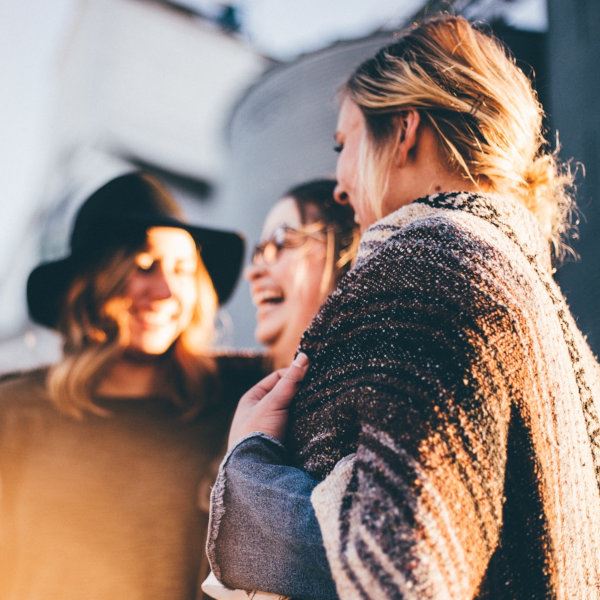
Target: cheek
(134,287)
(309,283)
(287,271)
(117,309)
(188,298)
(347,166)
(300,276)
(341,171)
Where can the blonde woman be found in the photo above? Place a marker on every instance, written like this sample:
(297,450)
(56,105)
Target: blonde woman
(105,457)
(444,442)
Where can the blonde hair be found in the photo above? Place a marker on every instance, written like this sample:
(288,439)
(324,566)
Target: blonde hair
(341,250)
(482,107)
(92,328)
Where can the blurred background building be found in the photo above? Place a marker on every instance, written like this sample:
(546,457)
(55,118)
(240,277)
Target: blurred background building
(231,104)
(573,54)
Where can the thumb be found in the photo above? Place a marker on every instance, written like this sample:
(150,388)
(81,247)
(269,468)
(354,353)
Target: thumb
(297,370)
(282,393)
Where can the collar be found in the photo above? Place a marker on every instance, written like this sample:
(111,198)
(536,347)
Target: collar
(507,214)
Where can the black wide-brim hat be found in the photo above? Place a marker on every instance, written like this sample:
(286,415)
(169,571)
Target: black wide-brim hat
(117,216)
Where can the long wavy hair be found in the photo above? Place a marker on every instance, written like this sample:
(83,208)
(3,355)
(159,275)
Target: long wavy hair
(487,117)
(94,340)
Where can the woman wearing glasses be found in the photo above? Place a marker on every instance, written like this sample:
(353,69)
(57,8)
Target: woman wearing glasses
(308,243)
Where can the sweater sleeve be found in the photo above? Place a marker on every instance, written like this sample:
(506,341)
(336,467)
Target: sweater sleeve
(417,512)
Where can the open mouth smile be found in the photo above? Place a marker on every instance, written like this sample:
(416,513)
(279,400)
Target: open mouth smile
(268,297)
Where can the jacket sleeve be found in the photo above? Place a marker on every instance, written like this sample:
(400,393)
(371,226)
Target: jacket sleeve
(417,512)
(263,533)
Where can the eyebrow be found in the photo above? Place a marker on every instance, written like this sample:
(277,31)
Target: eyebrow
(186,259)
(160,258)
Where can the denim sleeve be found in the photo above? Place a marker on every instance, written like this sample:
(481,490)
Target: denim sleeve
(263,532)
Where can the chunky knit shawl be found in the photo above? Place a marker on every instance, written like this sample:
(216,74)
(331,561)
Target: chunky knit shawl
(448,374)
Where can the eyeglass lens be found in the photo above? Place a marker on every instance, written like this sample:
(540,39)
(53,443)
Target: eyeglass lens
(283,237)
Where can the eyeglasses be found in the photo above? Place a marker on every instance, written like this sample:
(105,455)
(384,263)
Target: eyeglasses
(283,237)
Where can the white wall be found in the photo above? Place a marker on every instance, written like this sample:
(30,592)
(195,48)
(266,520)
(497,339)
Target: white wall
(86,83)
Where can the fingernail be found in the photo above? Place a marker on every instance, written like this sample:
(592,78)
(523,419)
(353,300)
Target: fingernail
(301,360)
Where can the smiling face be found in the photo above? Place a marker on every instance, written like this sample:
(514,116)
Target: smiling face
(286,286)
(349,135)
(161,292)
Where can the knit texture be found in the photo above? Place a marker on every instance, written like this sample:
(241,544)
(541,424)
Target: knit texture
(447,360)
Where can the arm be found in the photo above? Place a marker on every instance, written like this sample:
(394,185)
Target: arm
(263,533)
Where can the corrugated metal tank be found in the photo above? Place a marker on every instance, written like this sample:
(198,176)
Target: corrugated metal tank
(281,134)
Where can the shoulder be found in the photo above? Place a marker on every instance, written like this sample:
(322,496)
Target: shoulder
(428,257)
(24,404)
(429,278)
(23,385)
(435,242)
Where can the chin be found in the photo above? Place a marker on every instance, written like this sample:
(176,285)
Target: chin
(152,347)
(265,337)
(148,352)
(269,328)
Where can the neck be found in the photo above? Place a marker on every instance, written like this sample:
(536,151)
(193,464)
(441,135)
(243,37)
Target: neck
(131,377)
(284,348)
(281,357)
(435,183)
(425,172)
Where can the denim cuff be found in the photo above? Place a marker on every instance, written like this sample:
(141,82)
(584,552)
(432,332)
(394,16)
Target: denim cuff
(253,441)
(263,533)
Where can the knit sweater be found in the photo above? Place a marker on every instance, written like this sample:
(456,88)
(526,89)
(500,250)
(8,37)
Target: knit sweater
(450,377)
(108,508)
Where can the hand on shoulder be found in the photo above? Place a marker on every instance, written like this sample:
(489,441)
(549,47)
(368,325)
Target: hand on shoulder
(264,407)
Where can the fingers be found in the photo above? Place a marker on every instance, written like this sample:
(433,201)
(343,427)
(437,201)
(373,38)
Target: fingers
(263,387)
(266,383)
(282,383)
(264,407)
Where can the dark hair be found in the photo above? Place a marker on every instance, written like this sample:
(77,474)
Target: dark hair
(318,194)
(316,203)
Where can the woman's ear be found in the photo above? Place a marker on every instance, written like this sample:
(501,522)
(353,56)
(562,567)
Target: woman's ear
(408,127)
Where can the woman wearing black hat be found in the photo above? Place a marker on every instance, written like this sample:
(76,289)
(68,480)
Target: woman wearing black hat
(107,456)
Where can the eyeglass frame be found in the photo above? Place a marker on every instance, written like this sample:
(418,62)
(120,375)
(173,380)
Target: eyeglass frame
(306,233)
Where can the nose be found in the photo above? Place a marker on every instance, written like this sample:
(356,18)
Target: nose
(339,195)
(254,271)
(159,287)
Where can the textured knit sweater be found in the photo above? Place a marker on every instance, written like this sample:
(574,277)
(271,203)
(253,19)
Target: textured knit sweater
(448,374)
(108,508)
